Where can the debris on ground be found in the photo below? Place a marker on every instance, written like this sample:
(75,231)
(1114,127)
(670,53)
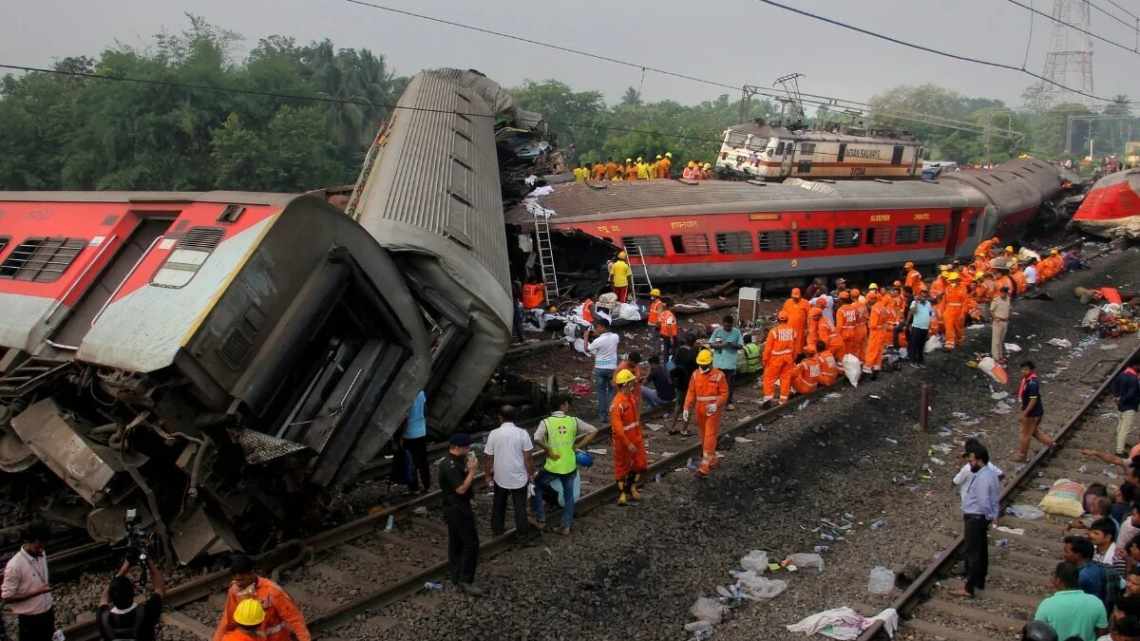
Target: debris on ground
(845,623)
(881,580)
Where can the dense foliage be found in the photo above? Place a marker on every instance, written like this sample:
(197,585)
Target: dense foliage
(66,132)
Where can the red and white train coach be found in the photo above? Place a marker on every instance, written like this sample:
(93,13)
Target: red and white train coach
(725,229)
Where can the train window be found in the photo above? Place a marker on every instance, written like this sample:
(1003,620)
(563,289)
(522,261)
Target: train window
(807,148)
(188,256)
(933,233)
(780,149)
(775,241)
(42,259)
(231,213)
(649,245)
(734,242)
(812,239)
(906,235)
(804,167)
(846,237)
(878,236)
(736,138)
(696,244)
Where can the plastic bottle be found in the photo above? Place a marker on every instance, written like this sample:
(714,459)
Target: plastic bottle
(881,581)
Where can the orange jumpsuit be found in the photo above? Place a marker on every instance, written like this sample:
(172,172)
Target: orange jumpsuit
(847,326)
(981,264)
(1049,268)
(655,308)
(827,334)
(663,167)
(283,619)
(667,323)
(880,324)
(612,170)
(631,172)
(899,305)
(861,329)
(705,389)
(806,378)
(1019,282)
(238,634)
(985,247)
(954,314)
(984,290)
(913,281)
(937,286)
(815,317)
(828,368)
(625,426)
(1004,281)
(797,311)
(599,171)
(779,361)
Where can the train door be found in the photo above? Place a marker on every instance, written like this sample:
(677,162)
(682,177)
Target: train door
(952,234)
(786,158)
(897,155)
(842,152)
(71,332)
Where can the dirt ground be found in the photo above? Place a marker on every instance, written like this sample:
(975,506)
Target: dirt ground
(855,460)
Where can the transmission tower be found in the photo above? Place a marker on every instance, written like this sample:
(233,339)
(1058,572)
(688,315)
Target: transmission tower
(1069,60)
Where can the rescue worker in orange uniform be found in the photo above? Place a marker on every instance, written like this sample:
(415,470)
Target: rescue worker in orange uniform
(1003,280)
(667,328)
(655,168)
(1018,276)
(655,306)
(1050,266)
(628,439)
(981,264)
(797,310)
(281,620)
(953,308)
(613,170)
(863,305)
(630,170)
(984,288)
(806,377)
(881,325)
(815,314)
(599,171)
(779,359)
(938,285)
(900,303)
(986,247)
(665,166)
(913,278)
(828,367)
(846,325)
(248,616)
(708,395)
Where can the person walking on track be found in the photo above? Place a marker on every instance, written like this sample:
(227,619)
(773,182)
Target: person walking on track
(979,508)
(1032,410)
(708,394)
(628,440)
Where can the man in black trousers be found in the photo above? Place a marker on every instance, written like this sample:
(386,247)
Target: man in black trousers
(980,506)
(456,475)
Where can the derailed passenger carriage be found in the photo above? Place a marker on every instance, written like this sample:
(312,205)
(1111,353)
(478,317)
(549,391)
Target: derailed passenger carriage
(221,362)
(769,231)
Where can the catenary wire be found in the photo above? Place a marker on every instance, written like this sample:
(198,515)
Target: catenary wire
(938,52)
(1073,26)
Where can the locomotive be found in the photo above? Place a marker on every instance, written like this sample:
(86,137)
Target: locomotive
(716,230)
(218,361)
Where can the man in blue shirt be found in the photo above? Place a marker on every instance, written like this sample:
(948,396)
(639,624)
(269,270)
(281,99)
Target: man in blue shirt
(1091,576)
(725,341)
(980,506)
(918,318)
(415,445)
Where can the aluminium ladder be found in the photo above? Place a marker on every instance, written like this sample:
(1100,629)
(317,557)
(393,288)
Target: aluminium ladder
(641,286)
(545,256)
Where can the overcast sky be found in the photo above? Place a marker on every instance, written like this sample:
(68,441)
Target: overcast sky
(734,41)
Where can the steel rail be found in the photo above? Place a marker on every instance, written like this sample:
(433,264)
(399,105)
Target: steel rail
(909,598)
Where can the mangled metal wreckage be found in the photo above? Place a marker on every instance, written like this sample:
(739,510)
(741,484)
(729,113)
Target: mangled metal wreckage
(222,361)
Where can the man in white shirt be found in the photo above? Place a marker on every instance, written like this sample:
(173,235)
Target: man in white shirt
(26,589)
(508,470)
(604,347)
(1031,276)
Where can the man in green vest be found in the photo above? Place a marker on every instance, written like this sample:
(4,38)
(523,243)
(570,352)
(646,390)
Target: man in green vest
(748,359)
(560,435)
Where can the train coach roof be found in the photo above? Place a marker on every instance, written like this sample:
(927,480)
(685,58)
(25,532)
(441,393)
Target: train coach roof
(244,197)
(580,202)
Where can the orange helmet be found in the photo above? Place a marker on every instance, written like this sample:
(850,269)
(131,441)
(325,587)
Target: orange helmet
(796,293)
(782,316)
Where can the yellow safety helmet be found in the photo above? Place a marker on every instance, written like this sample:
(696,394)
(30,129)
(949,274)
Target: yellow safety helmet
(708,165)
(628,160)
(668,154)
(658,156)
(626,376)
(655,292)
(1009,248)
(872,287)
(705,357)
(639,159)
(945,274)
(1054,251)
(622,255)
(249,612)
(952,276)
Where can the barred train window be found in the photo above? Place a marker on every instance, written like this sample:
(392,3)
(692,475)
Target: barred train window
(906,235)
(734,242)
(696,244)
(812,239)
(649,245)
(775,241)
(878,236)
(846,237)
(933,233)
(42,259)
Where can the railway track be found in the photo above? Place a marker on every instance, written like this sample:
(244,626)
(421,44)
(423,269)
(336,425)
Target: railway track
(388,555)
(1019,566)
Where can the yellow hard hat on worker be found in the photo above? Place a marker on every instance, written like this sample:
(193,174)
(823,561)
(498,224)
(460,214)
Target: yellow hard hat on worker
(658,156)
(708,165)
(952,276)
(622,255)
(1009,249)
(249,613)
(705,357)
(872,287)
(626,376)
(628,160)
(655,292)
(668,154)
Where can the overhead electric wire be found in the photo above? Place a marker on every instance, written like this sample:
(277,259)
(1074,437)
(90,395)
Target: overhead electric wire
(937,52)
(1072,26)
(773,92)
(1126,11)
(1115,17)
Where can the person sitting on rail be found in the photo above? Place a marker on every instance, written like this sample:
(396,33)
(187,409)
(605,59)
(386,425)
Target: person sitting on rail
(805,380)
(828,366)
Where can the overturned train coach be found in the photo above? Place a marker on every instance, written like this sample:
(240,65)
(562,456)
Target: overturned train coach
(787,231)
(204,357)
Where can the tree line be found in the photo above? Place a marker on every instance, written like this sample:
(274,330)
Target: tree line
(60,131)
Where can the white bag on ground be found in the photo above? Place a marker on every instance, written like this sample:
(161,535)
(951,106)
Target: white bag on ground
(806,560)
(881,580)
(756,561)
(1091,318)
(756,587)
(707,609)
(852,368)
(844,623)
(932,343)
(626,311)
